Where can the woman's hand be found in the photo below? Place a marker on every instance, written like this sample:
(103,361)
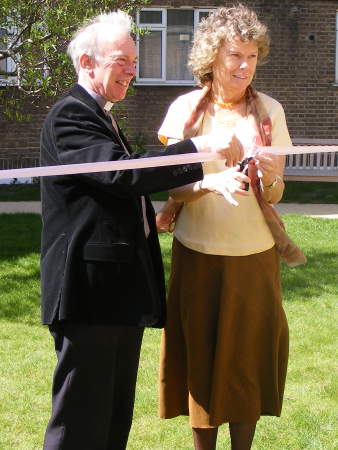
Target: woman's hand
(227,145)
(166,216)
(269,167)
(226,183)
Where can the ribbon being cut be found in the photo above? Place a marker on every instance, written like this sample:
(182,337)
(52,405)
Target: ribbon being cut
(139,163)
(288,250)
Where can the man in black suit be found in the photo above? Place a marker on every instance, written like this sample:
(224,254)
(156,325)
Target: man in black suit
(101,268)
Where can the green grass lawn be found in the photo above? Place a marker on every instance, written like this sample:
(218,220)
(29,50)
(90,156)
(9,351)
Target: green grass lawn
(295,192)
(310,297)
(19,192)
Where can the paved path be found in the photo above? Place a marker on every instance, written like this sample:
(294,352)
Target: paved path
(313,210)
(326,211)
(20,207)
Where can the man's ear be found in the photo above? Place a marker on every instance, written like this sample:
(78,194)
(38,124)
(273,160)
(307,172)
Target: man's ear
(86,62)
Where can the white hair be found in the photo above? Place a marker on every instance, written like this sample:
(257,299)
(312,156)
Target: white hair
(102,28)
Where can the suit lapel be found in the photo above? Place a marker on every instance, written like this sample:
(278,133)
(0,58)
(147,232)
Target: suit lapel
(81,94)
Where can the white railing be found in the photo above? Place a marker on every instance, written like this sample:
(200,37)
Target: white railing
(314,165)
(18,162)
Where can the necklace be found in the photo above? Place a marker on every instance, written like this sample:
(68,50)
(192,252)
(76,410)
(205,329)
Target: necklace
(227,105)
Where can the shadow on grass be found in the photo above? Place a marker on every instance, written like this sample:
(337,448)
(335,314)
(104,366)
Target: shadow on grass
(19,264)
(310,192)
(318,276)
(19,192)
(295,191)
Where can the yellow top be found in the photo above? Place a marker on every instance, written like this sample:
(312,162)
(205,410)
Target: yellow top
(210,224)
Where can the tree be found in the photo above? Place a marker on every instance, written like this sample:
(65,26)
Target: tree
(35,35)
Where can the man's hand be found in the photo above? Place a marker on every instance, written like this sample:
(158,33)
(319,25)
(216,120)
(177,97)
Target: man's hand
(226,183)
(228,146)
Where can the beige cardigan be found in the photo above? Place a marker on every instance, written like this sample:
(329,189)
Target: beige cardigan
(209,224)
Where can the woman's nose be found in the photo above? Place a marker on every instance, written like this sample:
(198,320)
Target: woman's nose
(244,64)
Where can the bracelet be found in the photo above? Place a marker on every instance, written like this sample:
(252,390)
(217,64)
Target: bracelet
(273,184)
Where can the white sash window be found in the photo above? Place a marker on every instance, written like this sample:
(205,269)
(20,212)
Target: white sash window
(7,65)
(163,50)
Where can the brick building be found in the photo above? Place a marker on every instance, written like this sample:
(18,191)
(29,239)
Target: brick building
(301,72)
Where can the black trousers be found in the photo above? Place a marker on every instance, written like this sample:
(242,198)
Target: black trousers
(93,386)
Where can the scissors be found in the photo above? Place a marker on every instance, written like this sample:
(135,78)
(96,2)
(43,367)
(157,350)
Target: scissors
(243,167)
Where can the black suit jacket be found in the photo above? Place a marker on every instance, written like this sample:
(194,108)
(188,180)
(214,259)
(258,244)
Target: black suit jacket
(96,263)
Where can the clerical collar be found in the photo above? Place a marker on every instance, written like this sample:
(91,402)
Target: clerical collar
(102,102)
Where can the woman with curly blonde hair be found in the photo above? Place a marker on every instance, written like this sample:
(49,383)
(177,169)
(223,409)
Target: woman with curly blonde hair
(224,349)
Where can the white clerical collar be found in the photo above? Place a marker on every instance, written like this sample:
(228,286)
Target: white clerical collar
(102,102)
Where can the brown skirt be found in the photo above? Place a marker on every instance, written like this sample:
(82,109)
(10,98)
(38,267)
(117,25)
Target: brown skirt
(224,349)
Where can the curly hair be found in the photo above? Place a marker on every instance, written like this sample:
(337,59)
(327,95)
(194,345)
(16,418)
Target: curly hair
(225,24)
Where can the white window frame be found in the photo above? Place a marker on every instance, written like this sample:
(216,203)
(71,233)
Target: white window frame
(153,27)
(163,29)
(10,67)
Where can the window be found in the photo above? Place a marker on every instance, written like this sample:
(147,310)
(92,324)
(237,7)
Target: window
(7,65)
(163,50)
(3,62)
